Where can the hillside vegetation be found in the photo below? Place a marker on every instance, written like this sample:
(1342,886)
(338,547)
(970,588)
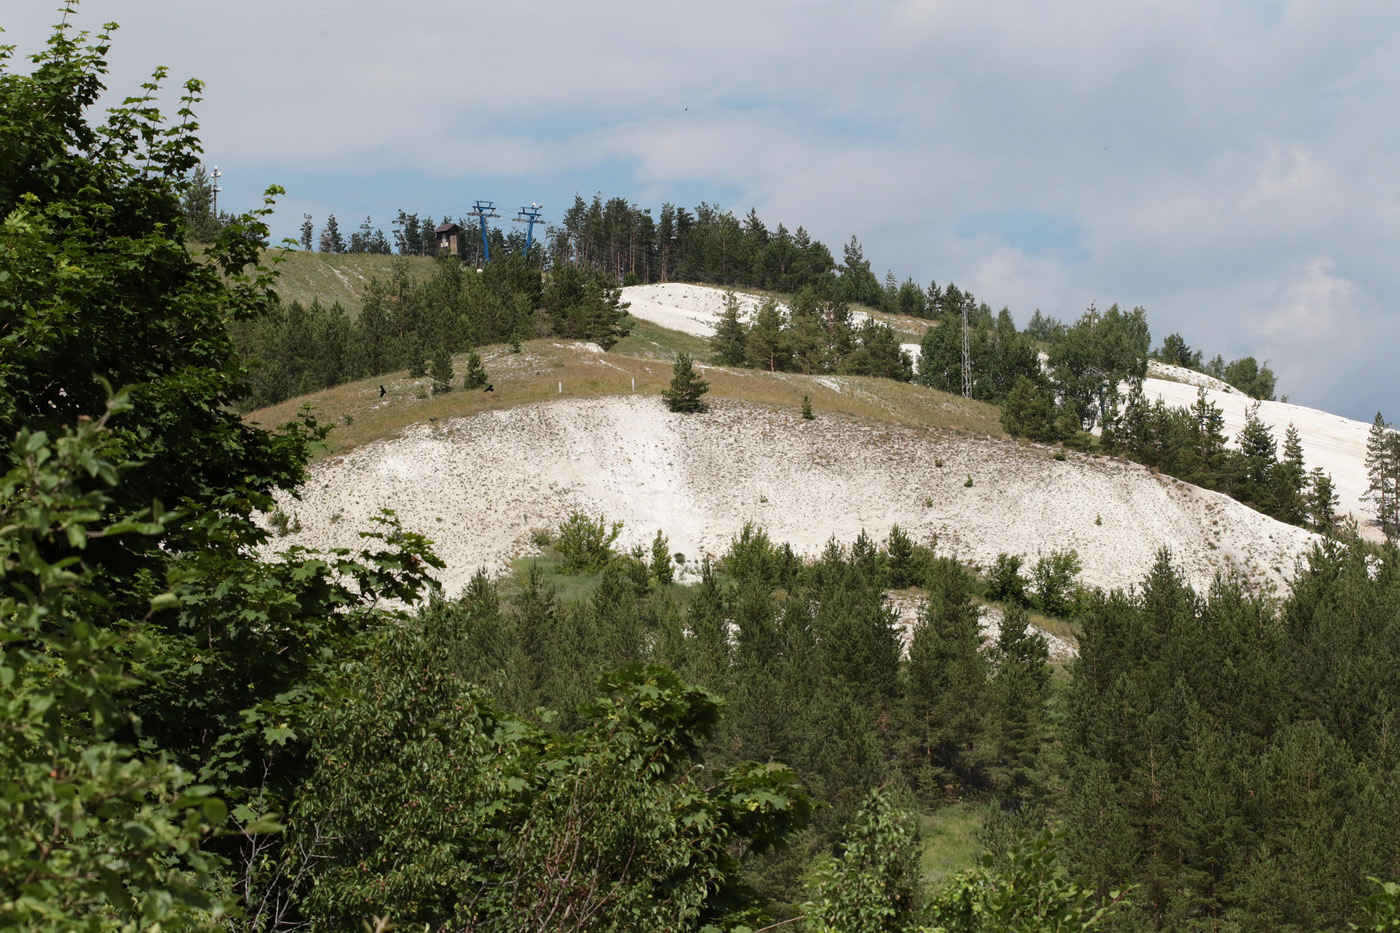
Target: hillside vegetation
(360,416)
(332,278)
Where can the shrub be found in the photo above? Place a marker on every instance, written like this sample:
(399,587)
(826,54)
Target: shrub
(586,544)
(1020,890)
(1004,581)
(1053,576)
(873,884)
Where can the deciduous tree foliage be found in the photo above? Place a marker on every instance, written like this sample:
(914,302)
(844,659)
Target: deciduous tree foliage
(1090,360)
(158,663)
(873,883)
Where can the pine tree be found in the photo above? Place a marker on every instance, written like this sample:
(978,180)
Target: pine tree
(806,338)
(197,201)
(1383,474)
(307,231)
(710,658)
(1288,482)
(1321,500)
(331,240)
(1028,410)
(765,344)
(1259,452)
(407,235)
(362,240)
(728,341)
(945,685)
(536,611)
(442,371)
(686,387)
(1210,439)
(900,567)
(661,560)
(417,357)
(1019,692)
(476,372)
(839,746)
(857,632)
(762,730)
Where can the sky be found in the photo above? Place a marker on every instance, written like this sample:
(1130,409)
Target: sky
(1231,166)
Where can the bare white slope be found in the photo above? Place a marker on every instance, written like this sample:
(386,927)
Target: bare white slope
(1170,373)
(477,486)
(695,309)
(1334,443)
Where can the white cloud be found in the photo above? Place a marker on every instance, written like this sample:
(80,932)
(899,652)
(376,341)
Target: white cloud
(1022,282)
(1311,307)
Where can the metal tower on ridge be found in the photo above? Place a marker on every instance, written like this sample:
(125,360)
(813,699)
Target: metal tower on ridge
(528,215)
(483,210)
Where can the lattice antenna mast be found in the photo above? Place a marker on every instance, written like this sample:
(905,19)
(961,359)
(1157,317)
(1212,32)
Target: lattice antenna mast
(967,355)
(214,190)
(529,215)
(483,210)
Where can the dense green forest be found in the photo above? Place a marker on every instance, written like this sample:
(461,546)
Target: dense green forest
(407,323)
(199,737)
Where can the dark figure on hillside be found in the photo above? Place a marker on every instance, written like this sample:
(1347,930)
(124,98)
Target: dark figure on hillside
(383,391)
(489,388)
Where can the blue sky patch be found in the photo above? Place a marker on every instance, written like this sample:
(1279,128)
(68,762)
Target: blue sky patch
(1034,233)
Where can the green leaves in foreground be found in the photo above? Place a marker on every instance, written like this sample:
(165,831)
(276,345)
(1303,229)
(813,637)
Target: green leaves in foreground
(1020,890)
(427,804)
(873,884)
(94,832)
(1382,908)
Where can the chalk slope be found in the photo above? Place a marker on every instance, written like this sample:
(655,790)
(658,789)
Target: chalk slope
(478,485)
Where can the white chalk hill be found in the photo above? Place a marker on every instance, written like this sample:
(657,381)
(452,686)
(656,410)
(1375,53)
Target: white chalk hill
(478,486)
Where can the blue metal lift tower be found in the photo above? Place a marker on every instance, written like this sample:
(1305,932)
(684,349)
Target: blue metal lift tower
(529,215)
(483,210)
